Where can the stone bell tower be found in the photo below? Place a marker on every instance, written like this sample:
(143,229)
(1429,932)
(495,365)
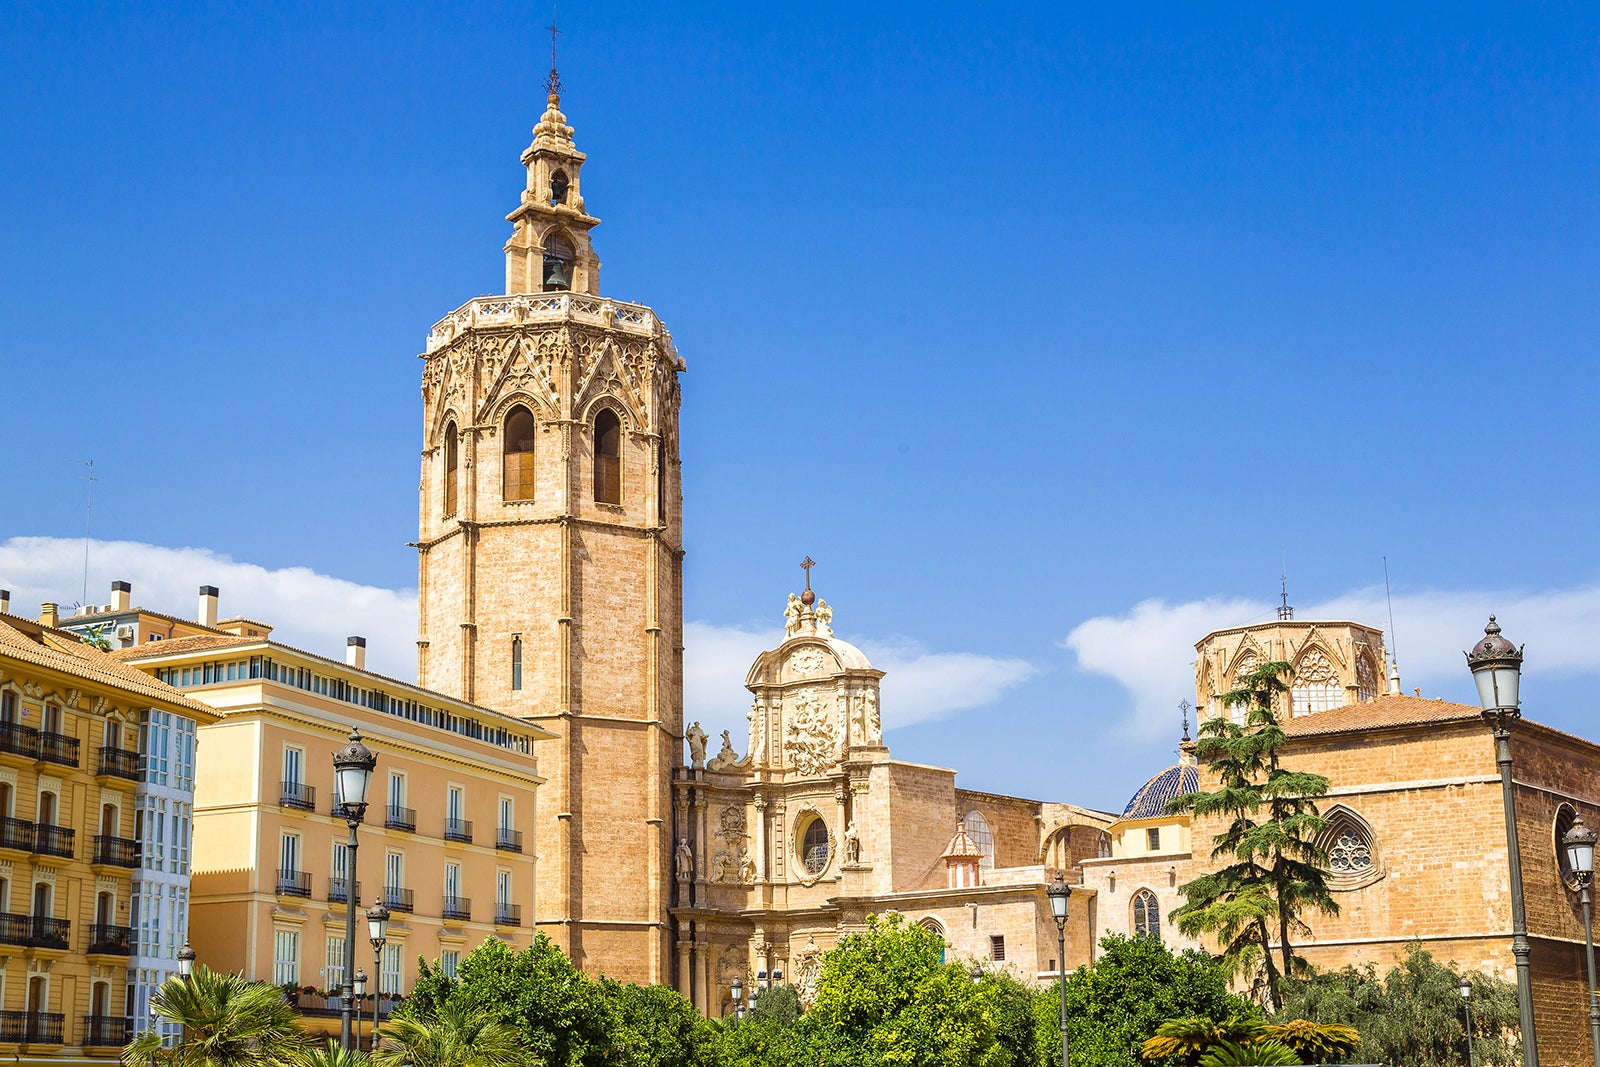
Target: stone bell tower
(550,557)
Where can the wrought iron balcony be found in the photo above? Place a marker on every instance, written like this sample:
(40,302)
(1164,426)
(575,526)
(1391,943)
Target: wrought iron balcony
(294,883)
(17,834)
(46,932)
(397,899)
(399,818)
(105,1031)
(111,940)
(507,914)
(339,890)
(20,739)
(458,908)
(58,748)
(508,840)
(43,1028)
(118,763)
(53,840)
(116,851)
(298,795)
(458,830)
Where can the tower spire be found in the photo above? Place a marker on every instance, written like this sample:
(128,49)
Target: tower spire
(552,84)
(1284,610)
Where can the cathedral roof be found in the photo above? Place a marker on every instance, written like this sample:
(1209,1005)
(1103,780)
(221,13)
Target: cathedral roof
(1151,800)
(1390,709)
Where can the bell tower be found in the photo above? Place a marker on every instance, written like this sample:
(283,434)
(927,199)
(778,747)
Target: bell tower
(550,558)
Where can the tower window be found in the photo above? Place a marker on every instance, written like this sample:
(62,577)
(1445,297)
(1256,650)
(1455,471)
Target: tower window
(558,258)
(517,472)
(452,460)
(558,187)
(1146,915)
(607,458)
(516,663)
(977,828)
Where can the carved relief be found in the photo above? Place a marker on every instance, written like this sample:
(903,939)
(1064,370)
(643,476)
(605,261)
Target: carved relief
(807,662)
(865,726)
(813,739)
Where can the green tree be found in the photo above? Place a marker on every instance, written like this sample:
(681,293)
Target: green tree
(659,1028)
(1277,871)
(1413,1016)
(1135,985)
(457,1034)
(96,636)
(564,1017)
(330,1054)
(227,1022)
(781,1004)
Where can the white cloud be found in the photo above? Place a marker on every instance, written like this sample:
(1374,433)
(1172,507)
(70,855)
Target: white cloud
(919,685)
(1149,651)
(308,610)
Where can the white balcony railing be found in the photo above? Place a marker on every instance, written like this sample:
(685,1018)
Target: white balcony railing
(547,307)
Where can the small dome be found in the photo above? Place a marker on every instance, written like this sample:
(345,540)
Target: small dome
(1150,801)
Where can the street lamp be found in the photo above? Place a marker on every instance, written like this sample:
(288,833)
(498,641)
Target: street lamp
(1496,666)
(352,774)
(1059,893)
(1466,1002)
(359,984)
(976,974)
(737,989)
(1579,843)
(186,957)
(378,934)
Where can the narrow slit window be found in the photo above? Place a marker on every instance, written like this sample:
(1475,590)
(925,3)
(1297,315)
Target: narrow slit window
(607,458)
(452,460)
(516,663)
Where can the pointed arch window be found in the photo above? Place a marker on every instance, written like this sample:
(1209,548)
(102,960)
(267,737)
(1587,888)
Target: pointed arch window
(1366,677)
(516,663)
(1146,915)
(517,458)
(558,257)
(1351,849)
(1239,713)
(607,457)
(1316,685)
(452,463)
(977,828)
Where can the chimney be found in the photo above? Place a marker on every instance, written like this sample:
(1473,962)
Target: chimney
(5,602)
(355,652)
(208,606)
(1394,679)
(48,615)
(121,596)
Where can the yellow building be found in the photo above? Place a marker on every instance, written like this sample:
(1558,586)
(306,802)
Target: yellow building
(447,838)
(92,786)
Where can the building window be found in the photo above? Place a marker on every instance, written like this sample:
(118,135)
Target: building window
(1152,839)
(1316,685)
(452,461)
(814,846)
(1366,677)
(1350,847)
(333,964)
(977,828)
(516,663)
(449,961)
(1146,915)
(1102,847)
(285,957)
(517,456)
(997,947)
(607,457)
(389,976)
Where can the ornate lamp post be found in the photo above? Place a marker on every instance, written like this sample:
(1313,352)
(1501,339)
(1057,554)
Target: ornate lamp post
(1579,843)
(1466,1002)
(352,772)
(378,934)
(976,974)
(1059,893)
(737,989)
(359,984)
(186,957)
(1497,668)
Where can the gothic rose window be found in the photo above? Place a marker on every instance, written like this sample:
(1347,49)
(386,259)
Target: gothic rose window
(1351,849)
(1146,915)
(517,471)
(607,457)
(1350,854)
(1316,685)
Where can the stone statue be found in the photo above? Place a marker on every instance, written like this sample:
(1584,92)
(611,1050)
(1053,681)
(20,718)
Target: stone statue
(697,745)
(824,618)
(725,758)
(791,616)
(747,866)
(685,860)
(852,843)
(874,723)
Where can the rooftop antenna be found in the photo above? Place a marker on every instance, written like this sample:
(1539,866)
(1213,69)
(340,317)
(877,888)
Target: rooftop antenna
(1284,610)
(552,84)
(88,515)
(1394,651)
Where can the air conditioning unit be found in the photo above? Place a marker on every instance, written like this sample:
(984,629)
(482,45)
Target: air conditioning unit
(125,632)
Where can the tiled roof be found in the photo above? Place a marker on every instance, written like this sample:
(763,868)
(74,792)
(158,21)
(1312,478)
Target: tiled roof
(962,846)
(41,646)
(178,645)
(1151,800)
(1389,710)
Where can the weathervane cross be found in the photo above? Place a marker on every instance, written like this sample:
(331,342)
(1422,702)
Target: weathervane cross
(553,82)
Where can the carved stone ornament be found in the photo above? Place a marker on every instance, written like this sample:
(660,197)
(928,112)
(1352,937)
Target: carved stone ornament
(813,739)
(806,662)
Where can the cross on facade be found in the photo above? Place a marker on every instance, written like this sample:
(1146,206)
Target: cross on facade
(806,566)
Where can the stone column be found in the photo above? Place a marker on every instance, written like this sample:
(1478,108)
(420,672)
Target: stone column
(685,976)
(760,803)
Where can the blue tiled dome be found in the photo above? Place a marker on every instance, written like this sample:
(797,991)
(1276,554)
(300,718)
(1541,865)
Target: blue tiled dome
(1150,801)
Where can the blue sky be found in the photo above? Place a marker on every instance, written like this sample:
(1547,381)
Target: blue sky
(1047,332)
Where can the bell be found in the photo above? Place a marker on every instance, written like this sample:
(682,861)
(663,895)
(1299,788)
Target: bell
(555,275)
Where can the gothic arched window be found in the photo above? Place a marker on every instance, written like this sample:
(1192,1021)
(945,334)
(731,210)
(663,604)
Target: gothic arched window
(1566,815)
(977,828)
(1366,677)
(607,457)
(1240,713)
(452,462)
(1351,848)
(516,663)
(1146,915)
(558,257)
(517,472)
(558,187)
(1316,685)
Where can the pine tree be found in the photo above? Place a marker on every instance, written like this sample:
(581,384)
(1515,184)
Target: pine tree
(1277,871)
